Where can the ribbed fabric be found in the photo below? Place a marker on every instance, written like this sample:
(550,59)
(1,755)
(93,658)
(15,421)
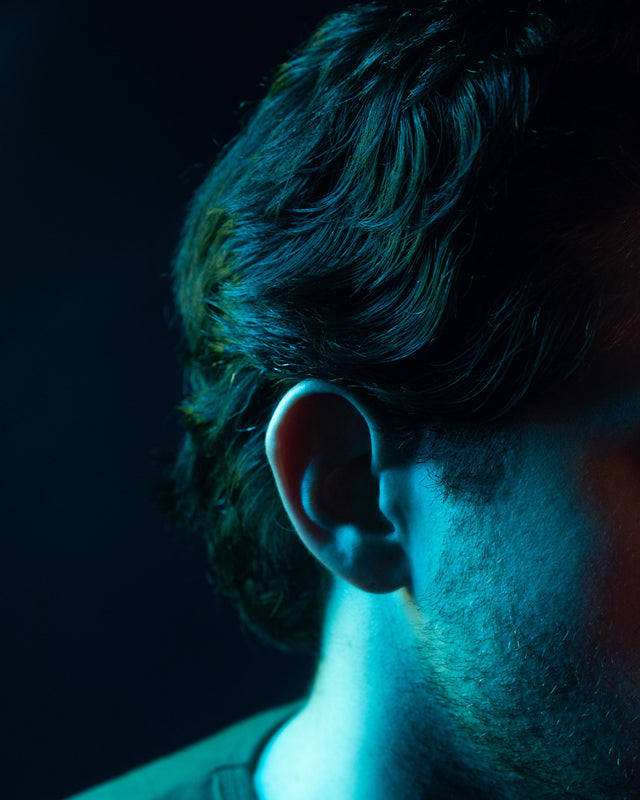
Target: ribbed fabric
(232,783)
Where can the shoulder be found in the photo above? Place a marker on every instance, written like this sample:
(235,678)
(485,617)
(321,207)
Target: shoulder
(187,774)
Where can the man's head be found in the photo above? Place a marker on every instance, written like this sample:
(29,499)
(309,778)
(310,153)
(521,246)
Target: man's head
(427,211)
(414,276)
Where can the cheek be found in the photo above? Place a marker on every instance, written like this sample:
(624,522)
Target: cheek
(612,479)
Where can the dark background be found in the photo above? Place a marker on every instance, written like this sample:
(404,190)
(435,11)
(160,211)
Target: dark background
(114,649)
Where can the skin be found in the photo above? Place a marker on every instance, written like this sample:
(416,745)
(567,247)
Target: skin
(500,656)
(536,642)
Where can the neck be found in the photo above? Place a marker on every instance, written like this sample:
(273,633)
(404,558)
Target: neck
(371,728)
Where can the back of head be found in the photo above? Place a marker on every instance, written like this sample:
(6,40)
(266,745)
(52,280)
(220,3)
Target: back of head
(405,215)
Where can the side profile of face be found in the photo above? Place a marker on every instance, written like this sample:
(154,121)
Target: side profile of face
(522,605)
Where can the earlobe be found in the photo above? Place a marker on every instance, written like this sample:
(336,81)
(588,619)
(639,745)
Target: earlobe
(319,445)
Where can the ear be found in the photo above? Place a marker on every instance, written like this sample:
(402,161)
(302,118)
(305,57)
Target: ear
(323,448)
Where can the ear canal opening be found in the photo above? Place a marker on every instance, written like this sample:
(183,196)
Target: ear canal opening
(349,494)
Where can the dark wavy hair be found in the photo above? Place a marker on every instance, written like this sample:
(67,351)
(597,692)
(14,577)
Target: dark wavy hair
(405,214)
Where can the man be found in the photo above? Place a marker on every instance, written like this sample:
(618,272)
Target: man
(410,290)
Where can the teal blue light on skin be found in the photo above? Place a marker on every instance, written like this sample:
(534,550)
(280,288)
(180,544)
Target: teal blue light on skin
(503,661)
